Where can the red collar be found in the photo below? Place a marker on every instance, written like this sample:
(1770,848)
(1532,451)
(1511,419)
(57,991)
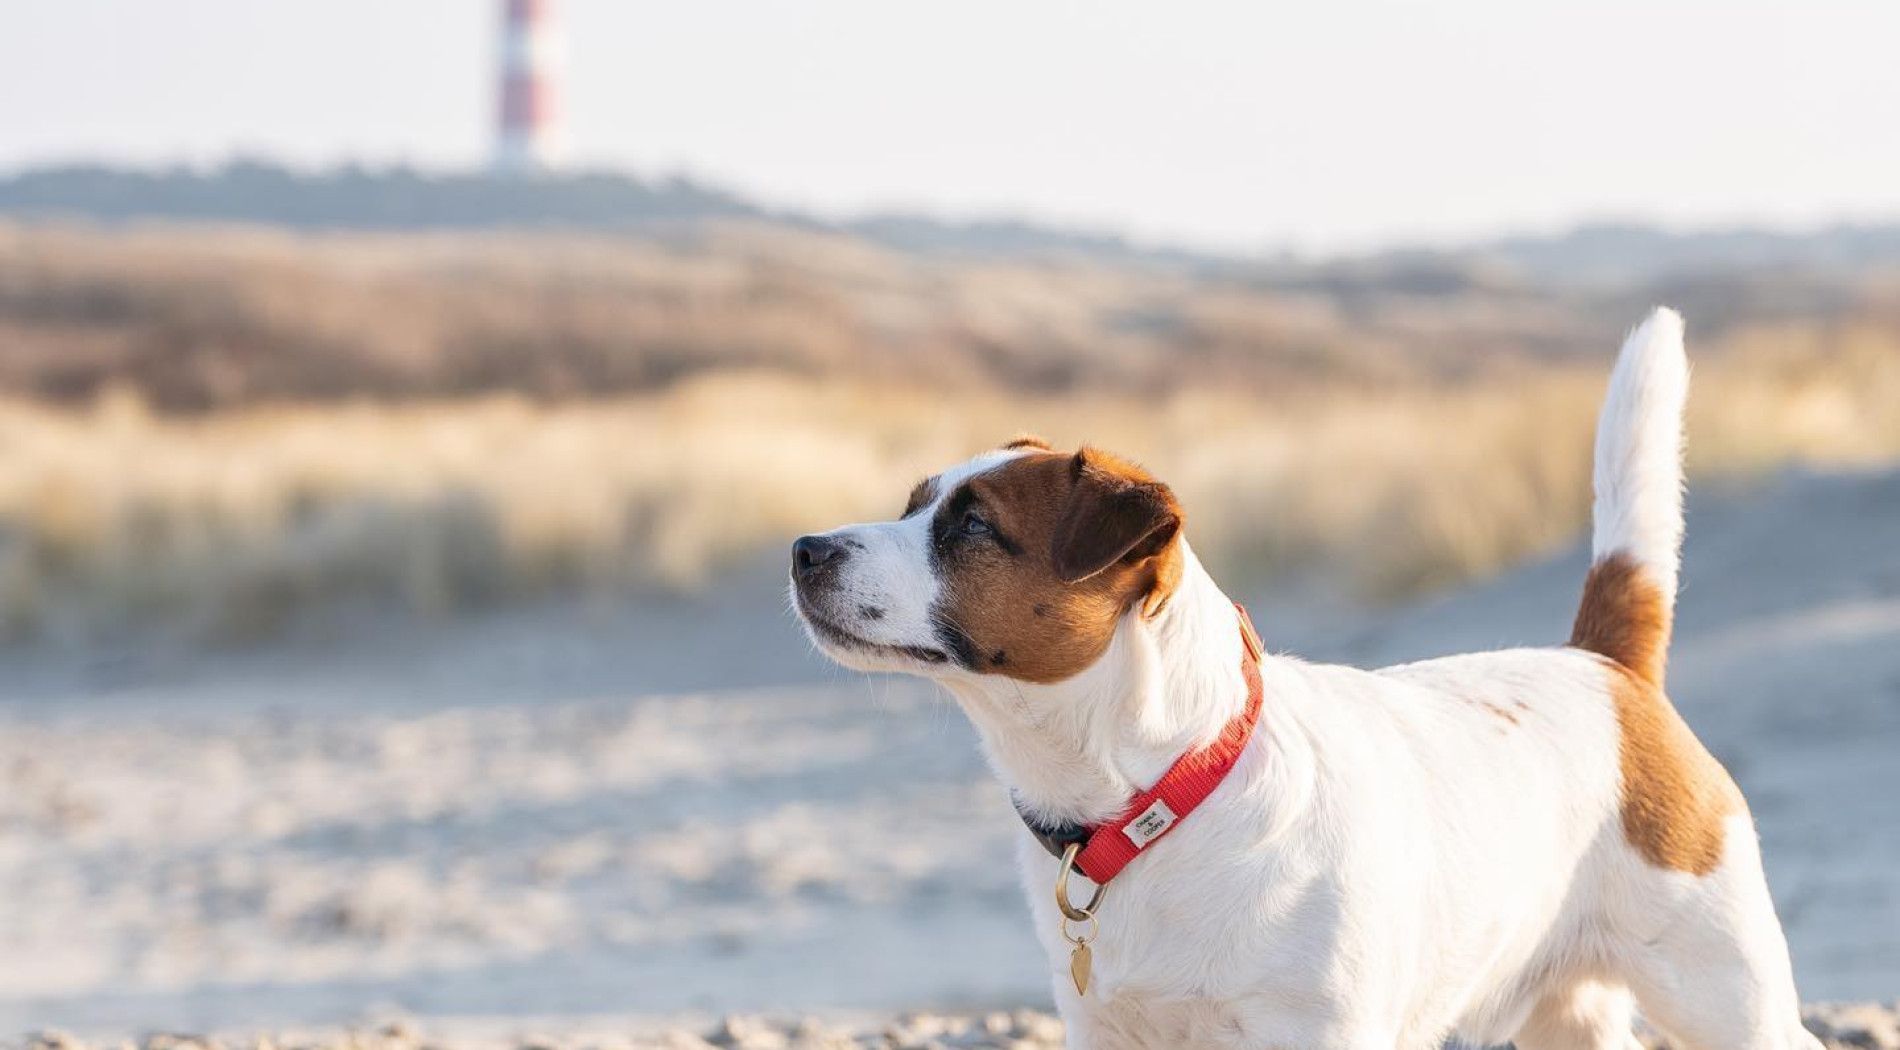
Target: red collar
(1151,814)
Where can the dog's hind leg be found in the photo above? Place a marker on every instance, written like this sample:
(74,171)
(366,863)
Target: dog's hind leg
(1717,977)
(1586,1015)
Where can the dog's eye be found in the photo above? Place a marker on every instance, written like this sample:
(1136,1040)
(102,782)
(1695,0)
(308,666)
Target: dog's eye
(974,525)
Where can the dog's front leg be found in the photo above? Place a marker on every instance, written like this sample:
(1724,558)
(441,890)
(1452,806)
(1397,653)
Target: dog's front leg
(1134,1023)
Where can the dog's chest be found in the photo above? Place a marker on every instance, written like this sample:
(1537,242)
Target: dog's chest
(1213,958)
(1132,1020)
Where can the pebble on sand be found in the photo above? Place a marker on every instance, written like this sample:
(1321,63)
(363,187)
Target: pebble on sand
(1860,1026)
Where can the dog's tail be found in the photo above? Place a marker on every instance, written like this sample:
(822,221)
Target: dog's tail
(1629,598)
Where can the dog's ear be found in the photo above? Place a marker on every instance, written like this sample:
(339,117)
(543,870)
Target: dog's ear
(1116,514)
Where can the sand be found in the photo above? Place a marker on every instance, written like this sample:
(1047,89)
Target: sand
(1864,1025)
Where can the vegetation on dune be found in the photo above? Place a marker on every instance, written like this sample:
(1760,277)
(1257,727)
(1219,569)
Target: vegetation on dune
(231,523)
(218,431)
(199,320)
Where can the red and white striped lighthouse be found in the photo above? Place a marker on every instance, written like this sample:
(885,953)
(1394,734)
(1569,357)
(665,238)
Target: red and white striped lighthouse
(528,135)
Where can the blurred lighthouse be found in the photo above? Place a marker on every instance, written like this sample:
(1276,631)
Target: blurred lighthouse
(528,132)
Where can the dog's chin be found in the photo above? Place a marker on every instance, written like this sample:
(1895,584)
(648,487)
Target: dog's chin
(852,650)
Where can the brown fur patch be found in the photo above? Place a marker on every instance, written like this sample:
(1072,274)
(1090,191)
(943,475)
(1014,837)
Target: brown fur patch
(1676,796)
(1624,616)
(1028,441)
(1495,710)
(921,494)
(1077,540)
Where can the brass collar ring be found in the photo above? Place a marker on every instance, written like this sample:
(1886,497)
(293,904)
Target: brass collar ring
(1070,911)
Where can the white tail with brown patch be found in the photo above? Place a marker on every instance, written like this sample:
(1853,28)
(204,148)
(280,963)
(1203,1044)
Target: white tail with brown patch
(1637,540)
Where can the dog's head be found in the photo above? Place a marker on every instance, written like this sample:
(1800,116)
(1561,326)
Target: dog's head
(1019,562)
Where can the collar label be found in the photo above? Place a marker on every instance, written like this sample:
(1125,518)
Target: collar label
(1148,827)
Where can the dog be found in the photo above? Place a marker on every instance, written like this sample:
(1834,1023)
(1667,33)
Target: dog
(1523,845)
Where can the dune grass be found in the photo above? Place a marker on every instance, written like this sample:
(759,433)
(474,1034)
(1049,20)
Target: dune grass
(228,525)
(218,431)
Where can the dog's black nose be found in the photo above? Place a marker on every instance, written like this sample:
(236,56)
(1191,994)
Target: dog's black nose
(812,552)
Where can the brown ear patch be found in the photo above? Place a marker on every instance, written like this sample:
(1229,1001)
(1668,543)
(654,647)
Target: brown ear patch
(1008,608)
(1676,797)
(1115,511)
(920,496)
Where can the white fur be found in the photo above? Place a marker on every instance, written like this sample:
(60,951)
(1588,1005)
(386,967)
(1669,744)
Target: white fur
(889,571)
(1399,856)
(1638,480)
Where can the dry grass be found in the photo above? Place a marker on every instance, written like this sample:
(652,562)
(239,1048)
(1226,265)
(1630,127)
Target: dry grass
(216,431)
(199,320)
(227,525)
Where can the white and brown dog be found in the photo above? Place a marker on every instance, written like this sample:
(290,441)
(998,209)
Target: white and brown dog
(1517,845)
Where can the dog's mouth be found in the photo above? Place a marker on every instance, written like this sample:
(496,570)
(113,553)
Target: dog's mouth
(829,633)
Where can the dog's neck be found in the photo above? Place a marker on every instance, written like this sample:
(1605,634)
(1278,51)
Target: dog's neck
(1075,751)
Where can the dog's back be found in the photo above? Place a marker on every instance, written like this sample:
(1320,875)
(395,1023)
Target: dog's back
(1572,840)
(1666,898)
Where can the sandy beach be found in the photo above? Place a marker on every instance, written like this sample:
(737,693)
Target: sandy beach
(1864,1026)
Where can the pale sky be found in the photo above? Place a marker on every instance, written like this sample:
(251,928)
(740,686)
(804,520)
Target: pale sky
(1246,124)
